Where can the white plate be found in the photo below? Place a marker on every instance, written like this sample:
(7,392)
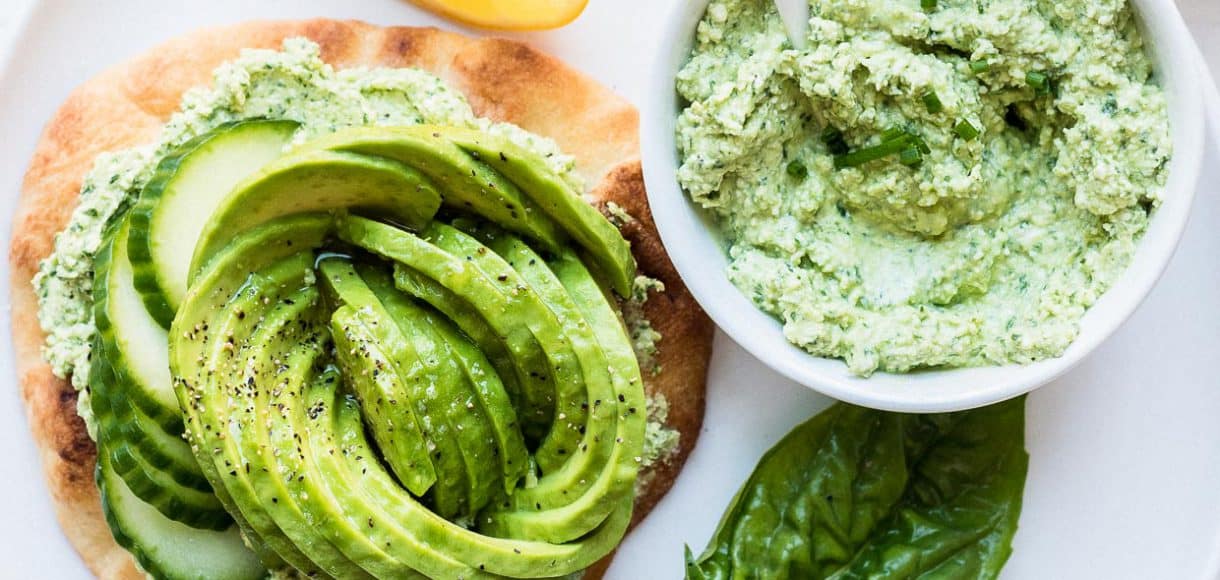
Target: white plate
(1125,474)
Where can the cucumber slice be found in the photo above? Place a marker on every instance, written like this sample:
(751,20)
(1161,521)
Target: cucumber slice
(185,190)
(168,549)
(162,451)
(137,347)
(154,462)
(182,504)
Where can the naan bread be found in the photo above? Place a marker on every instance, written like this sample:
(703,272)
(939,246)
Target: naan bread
(503,80)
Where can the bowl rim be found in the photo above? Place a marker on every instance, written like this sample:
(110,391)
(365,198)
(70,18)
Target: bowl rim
(691,242)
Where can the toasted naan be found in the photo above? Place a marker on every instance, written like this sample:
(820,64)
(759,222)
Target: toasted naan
(504,80)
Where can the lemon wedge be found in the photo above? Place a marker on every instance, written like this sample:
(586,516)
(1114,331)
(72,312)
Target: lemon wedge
(508,14)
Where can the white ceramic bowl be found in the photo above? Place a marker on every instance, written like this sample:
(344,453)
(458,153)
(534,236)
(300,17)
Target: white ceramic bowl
(692,241)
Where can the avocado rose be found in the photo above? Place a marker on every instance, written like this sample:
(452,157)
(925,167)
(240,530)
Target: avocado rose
(396,352)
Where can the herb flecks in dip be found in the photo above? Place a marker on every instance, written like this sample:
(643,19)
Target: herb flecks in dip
(949,186)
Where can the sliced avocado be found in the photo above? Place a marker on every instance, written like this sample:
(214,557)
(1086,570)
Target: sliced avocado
(566,207)
(384,396)
(410,462)
(522,369)
(546,303)
(506,303)
(219,410)
(491,399)
(219,308)
(369,348)
(565,491)
(466,184)
(436,371)
(412,531)
(185,189)
(319,181)
(341,518)
(276,359)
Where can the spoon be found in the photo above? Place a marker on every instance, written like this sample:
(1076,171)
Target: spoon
(795,14)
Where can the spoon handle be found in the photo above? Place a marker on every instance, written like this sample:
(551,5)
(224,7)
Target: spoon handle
(795,14)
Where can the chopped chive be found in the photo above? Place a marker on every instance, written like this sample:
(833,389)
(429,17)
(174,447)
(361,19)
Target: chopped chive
(862,156)
(921,144)
(797,169)
(932,102)
(979,67)
(1039,82)
(927,5)
(966,130)
(893,133)
(910,156)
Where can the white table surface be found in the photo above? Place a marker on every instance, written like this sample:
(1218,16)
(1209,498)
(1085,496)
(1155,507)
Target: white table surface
(31,547)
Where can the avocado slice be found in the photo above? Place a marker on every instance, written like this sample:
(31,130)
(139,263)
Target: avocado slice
(508,185)
(566,490)
(587,226)
(323,497)
(466,184)
(442,385)
(506,303)
(566,520)
(522,368)
(214,313)
(363,352)
(217,416)
(319,181)
(368,348)
(571,398)
(415,468)
(273,361)
(405,527)
(490,397)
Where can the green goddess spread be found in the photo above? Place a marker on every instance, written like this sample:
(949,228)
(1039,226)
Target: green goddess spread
(928,183)
(333,322)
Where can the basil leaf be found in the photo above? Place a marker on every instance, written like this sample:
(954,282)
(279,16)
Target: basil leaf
(859,493)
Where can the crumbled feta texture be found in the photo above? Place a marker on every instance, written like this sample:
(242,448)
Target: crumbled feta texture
(989,249)
(617,215)
(660,440)
(644,338)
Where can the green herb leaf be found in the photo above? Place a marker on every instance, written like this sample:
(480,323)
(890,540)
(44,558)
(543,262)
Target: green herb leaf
(932,102)
(966,130)
(911,157)
(859,493)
